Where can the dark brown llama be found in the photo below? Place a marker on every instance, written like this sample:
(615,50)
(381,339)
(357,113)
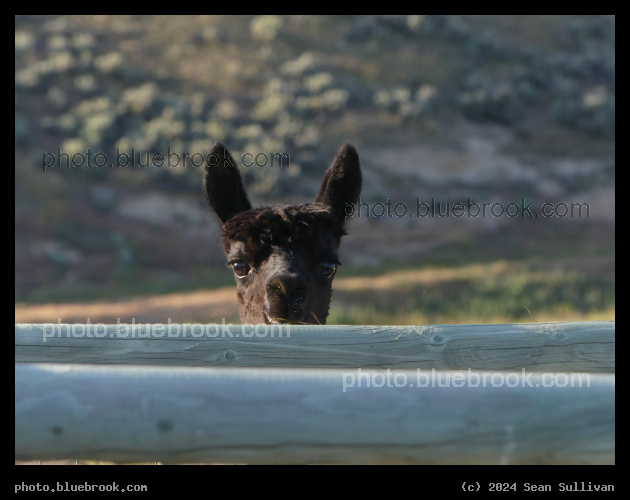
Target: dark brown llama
(284,258)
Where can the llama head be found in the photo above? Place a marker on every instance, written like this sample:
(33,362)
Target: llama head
(285,257)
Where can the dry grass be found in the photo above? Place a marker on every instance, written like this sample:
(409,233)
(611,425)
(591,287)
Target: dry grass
(178,307)
(498,292)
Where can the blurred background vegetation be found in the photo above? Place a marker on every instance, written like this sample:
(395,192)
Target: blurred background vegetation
(492,108)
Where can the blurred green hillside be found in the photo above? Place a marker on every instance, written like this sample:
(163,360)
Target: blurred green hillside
(492,108)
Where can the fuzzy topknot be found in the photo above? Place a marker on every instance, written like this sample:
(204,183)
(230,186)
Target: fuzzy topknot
(282,225)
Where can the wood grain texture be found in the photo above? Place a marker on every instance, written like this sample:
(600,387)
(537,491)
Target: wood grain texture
(254,415)
(579,346)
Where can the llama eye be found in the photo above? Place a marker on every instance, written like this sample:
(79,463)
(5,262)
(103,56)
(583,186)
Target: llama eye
(241,269)
(328,269)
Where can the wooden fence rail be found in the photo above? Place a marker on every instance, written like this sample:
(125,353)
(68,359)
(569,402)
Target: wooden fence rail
(256,415)
(586,346)
(501,394)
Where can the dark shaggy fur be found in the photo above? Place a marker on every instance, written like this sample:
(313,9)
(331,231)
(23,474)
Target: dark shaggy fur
(284,257)
(284,226)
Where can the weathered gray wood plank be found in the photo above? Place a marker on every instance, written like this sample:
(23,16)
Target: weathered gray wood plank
(579,346)
(253,415)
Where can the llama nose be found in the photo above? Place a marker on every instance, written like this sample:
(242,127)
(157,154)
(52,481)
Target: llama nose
(286,297)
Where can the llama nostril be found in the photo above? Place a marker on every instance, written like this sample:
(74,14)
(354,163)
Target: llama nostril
(287,296)
(275,288)
(298,297)
(291,286)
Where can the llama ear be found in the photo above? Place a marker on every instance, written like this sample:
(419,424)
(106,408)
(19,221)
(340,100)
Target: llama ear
(222,184)
(341,186)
